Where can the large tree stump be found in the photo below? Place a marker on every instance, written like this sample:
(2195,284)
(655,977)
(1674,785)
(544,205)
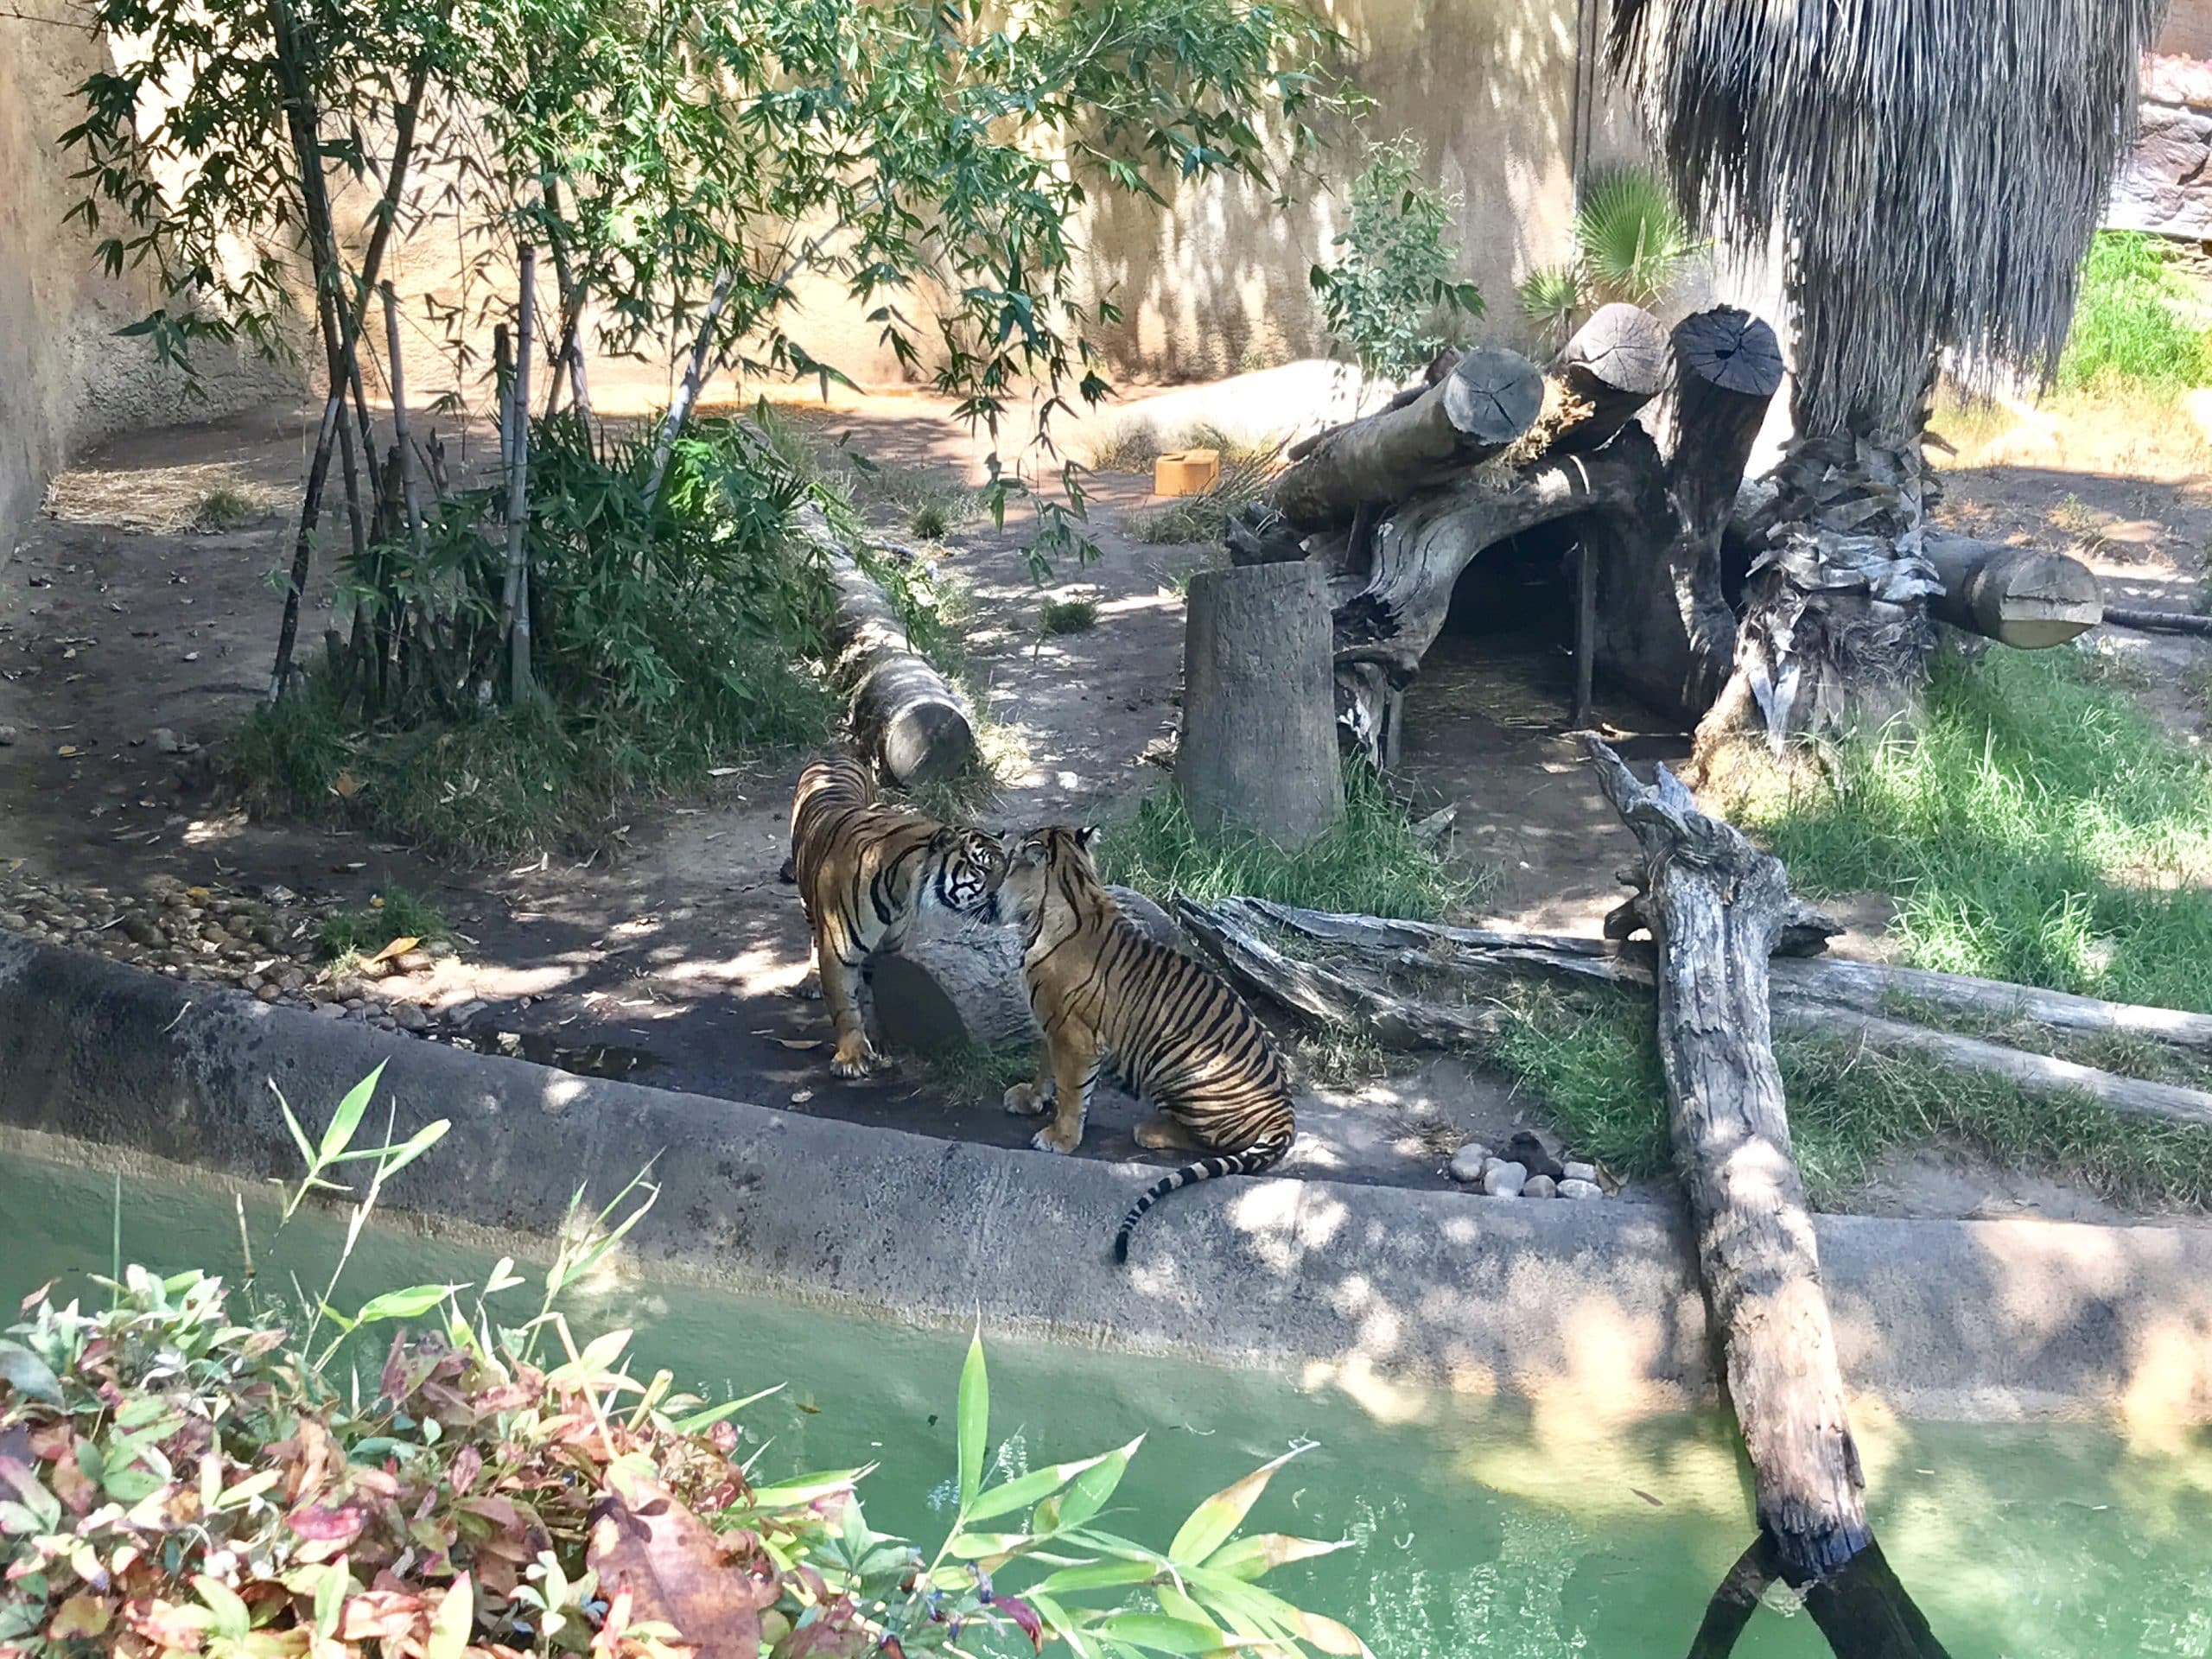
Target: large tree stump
(1718,905)
(1488,399)
(1258,750)
(1616,364)
(2020,597)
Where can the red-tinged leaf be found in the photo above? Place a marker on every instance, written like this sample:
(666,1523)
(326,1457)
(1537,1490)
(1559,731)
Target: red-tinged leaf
(501,1512)
(384,1614)
(80,1618)
(329,1523)
(832,1634)
(53,1442)
(168,1623)
(75,1487)
(36,1296)
(468,1464)
(1026,1617)
(676,1569)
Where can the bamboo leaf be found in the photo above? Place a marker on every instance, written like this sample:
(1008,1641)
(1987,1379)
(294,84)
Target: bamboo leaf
(1157,1633)
(1260,1555)
(1211,1522)
(1096,1485)
(975,1420)
(1025,1489)
(348,1118)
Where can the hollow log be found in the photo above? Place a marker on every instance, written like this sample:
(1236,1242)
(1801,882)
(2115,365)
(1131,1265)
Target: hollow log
(1865,1611)
(1259,749)
(901,709)
(1616,364)
(1720,904)
(2020,597)
(1488,399)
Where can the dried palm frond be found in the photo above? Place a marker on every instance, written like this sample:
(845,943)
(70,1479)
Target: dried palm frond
(1934,167)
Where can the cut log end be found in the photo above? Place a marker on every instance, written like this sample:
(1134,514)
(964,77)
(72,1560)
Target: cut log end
(1731,349)
(2023,597)
(1493,397)
(927,742)
(1622,347)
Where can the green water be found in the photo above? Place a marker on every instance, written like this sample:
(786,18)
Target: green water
(1482,1527)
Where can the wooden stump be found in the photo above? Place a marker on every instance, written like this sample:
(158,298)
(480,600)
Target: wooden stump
(1718,905)
(1259,749)
(1616,364)
(2020,597)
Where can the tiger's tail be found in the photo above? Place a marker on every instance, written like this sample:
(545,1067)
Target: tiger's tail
(1252,1161)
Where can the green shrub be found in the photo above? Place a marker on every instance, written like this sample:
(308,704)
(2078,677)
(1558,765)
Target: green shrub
(1389,297)
(1068,616)
(2132,330)
(1631,244)
(392,914)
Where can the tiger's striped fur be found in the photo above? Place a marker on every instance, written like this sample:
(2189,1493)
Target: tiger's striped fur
(1180,1039)
(865,870)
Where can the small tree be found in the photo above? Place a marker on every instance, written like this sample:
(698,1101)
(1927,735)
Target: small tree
(1390,298)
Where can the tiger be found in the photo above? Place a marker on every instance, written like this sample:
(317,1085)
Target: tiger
(1176,1035)
(865,870)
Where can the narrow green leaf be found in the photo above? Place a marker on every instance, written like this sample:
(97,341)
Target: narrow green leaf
(29,1376)
(975,1420)
(409,1304)
(1096,1485)
(454,1619)
(700,1421)
(348,1118)
(1101,1575)
(1210,1523)
(1021,1493)
(1254,1557)
(299,1136)
(1157,1633)
(233,1619)
(330,1591)
(976,1546)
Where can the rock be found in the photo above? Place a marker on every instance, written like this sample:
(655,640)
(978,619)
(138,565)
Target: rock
(1527,1150)
(464,1012)
(1572,1172)
(267,992)
(292,981)
(440,949)
(1504,1181)
(1572,1189)
(166,741)
(412,961)
(140,929)
(1541,1187)
(252,982)
(1469,1162)
(7,736)
(409,1016)
(350,990)
(14,921)
(214,935)
(329,1011)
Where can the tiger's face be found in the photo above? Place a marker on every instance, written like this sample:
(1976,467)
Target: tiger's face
(971,866)
(1055,848)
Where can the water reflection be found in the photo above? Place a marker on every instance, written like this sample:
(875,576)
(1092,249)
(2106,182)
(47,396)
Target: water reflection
(1864,1611)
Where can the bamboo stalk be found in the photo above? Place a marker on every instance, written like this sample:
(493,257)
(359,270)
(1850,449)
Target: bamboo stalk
(687,393)
(569,355)
(396,378)
(514,604)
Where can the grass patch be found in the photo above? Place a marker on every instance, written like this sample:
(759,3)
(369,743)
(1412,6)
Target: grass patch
(2133,329)
(2043,829)
(972,1071)
(224,508)
(1595,1073)
(1068,616)
(1246,471)
(392,914)
(1371,862)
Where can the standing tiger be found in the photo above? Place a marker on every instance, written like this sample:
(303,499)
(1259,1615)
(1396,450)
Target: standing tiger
(1179,1037)
(865,870)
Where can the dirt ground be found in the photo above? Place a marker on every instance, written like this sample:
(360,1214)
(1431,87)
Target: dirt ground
(128,638)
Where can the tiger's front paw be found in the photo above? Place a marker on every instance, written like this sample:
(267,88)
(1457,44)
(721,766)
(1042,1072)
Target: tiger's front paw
(1049,1139)
(1027,1100)
(807,990)
(854,1056)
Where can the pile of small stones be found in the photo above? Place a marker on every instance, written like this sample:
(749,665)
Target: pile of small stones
(1527,1172)
(264,944)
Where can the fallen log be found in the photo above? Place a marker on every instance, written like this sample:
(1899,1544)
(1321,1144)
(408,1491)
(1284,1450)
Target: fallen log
(1720,904)
(901,709)
(1615,365)
(1865,1611)
(2024,597)
(1488,399)
(2157,621)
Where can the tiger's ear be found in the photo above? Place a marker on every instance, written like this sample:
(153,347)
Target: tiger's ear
(1087,837)
(1032,851)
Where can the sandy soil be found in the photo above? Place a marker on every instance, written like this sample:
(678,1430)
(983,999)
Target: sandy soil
(120,632)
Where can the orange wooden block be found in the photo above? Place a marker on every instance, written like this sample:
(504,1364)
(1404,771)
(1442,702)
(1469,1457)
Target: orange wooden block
(1186,472)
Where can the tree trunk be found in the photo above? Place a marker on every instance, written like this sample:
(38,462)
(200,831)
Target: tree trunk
(1719,906)
(1864,1611)
(900,708)
(2019,597)
(411,490)
(687,391)
(1488,399)
(1258,750)
(514,602)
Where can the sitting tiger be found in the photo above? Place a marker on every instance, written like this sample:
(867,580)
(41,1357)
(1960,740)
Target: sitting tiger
(864,871)
(1179,1037)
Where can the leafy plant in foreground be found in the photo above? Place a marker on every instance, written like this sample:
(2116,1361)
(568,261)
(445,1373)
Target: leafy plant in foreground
(175,1478)
(1389,298)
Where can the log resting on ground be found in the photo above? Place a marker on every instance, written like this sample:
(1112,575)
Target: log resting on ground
(1417,985)
(1720,904)
(901,709)
(2024,597)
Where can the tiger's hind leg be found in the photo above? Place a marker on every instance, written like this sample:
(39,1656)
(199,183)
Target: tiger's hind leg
(841,989)
(1164,1133)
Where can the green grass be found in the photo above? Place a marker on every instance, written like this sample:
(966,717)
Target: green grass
(1595,1073)
(1068,616)
(2134,331)
(1246,471)
(1370,863)
(347,933)
(2045,829)
(225,508)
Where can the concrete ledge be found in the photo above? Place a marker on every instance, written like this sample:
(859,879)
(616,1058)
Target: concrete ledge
(1368,1287)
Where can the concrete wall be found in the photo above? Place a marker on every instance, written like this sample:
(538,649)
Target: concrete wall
(2188,30)
(66,380)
